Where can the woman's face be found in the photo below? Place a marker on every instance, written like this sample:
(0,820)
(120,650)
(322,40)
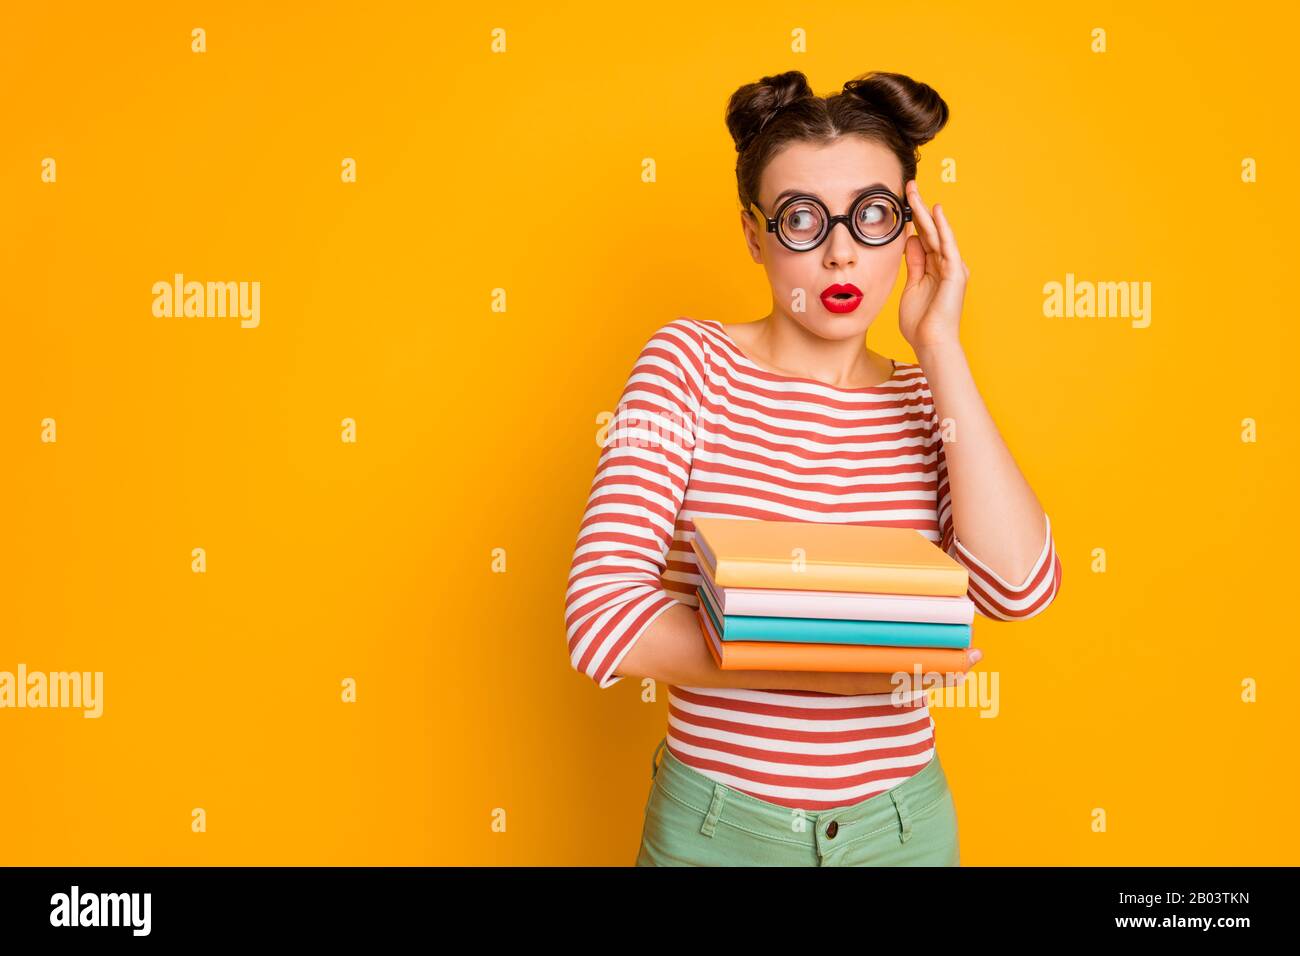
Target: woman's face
(836,174)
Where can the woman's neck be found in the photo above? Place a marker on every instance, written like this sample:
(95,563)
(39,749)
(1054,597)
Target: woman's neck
(784,346)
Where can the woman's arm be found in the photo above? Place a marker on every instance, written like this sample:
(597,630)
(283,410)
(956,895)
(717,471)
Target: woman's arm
(620,621)
(672,651)
(995,512)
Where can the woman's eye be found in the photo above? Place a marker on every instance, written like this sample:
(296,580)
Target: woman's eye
(872,214)
(801,220)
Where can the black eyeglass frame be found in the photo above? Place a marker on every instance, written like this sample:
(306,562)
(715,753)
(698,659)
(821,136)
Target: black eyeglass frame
(829,221)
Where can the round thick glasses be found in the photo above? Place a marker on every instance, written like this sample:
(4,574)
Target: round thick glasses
(803,222)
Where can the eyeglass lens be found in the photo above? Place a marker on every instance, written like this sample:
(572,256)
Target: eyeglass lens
(874,218)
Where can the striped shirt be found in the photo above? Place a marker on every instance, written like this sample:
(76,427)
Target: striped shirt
(700,429)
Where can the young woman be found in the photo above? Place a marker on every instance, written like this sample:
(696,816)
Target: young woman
(791,418)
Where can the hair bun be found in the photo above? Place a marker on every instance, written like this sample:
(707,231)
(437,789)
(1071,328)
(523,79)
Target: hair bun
(754,104)
(915,109)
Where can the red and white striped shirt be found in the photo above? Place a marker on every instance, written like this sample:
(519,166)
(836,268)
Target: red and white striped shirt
(702,430)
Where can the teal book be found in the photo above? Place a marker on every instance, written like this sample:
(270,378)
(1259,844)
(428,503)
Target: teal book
(820,630)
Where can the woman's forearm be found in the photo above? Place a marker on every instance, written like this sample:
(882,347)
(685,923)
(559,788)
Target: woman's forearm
(672,651)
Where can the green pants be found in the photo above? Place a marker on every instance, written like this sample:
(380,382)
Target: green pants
(692,820)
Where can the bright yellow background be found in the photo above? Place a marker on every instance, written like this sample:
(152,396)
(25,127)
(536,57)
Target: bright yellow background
(477,429)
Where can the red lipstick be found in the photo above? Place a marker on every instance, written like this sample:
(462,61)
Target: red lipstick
(841,298)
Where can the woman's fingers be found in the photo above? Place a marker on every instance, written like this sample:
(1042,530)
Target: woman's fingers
(973,655)
(935,232)
(914,255)
(921,218)
(950,678)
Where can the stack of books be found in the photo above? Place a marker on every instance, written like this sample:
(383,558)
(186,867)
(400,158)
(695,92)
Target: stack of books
(794,595)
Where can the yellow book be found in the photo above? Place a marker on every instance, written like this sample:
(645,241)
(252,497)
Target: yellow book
(816,556)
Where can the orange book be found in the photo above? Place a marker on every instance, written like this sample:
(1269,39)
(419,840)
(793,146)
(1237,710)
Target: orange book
(859,658)
(816,556)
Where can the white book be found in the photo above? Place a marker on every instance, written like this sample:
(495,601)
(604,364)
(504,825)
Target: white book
(846,605)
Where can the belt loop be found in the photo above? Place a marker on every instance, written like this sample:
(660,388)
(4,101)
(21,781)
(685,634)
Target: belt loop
(904,818)
(654,758)
(715,810)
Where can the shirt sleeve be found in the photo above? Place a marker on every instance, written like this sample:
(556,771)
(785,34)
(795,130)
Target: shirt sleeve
(994,596)
(615,589)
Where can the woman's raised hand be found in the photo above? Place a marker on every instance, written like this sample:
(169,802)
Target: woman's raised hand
(929,312)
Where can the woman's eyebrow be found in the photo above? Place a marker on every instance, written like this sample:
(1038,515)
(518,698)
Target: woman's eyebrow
(805,192)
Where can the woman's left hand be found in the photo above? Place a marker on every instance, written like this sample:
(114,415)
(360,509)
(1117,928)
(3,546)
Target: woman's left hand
(930,310)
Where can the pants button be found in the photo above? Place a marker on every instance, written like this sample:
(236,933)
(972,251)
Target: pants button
(833,829)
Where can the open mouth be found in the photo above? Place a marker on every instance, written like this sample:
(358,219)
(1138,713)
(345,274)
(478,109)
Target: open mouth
(841,290)
(841,297)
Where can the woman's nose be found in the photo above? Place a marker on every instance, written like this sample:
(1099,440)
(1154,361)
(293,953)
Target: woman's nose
(841,247)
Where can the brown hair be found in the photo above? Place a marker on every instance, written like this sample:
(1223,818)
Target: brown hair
(889,108)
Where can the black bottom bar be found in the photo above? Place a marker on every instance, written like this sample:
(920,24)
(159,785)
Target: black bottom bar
(555,906)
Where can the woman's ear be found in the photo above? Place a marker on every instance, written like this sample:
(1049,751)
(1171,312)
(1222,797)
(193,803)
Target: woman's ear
(751,237)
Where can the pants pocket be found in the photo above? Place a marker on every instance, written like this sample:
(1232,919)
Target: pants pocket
(671,836)
(662,832)
(933,840)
